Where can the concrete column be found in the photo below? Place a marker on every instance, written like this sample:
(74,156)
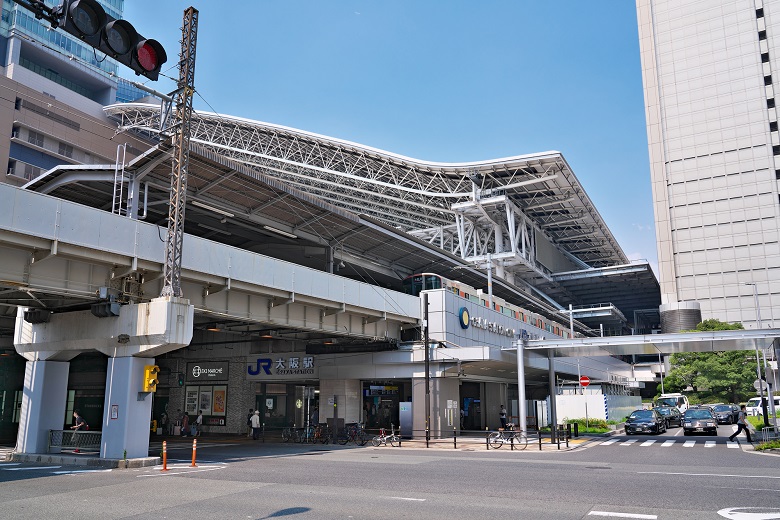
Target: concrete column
(553,393)
(132,409)
(43,404)
(444,391)
(521,404)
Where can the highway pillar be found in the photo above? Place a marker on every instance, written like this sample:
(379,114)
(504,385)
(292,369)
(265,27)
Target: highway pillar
(44,398)
(127,409)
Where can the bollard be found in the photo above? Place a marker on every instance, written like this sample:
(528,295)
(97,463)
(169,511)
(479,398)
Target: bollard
(194,449)
(576,429)
(455,437)
(568,431)
(165,456)
(539,432)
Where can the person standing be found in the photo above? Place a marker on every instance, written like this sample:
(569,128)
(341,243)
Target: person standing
(741,425)
(199,423)
(502,416)
(249,424)
(185,424)
(256,425)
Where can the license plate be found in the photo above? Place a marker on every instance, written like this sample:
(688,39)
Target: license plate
(699,429)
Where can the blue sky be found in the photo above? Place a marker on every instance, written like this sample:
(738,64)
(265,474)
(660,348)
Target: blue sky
(440,81)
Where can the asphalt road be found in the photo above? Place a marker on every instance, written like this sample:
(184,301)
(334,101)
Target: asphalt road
(620,477)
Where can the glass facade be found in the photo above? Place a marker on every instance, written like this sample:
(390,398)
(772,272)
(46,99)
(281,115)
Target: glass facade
(18,19)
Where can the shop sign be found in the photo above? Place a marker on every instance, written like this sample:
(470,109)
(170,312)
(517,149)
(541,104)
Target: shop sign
(207,371)
(290,367)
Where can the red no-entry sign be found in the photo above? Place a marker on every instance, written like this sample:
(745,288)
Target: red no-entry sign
(584,380)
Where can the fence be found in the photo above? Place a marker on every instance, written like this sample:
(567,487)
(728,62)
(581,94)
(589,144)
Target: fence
(74,440)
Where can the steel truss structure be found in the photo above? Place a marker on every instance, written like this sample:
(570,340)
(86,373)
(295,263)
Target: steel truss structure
(491,213)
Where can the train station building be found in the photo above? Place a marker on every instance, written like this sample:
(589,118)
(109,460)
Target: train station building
(320,277)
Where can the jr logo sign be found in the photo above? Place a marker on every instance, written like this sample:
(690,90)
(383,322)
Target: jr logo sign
(263,364)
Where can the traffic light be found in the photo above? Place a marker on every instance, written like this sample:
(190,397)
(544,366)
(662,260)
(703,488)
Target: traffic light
(181,379)
(150,378)
(86,20)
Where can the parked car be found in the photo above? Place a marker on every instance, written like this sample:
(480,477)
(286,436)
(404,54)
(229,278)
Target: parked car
(699,420)
(671,414)
(645,421)
(726,413)
(755,406)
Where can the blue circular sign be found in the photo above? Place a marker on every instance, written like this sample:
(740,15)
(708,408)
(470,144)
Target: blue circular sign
(463,317)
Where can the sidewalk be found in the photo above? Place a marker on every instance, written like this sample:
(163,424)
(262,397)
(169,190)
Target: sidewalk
(474,442)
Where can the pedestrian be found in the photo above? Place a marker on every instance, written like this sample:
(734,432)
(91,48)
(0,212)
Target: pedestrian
(199,423)
(315,416)
(256,425)
(185,424)
(174,425)
(741,425)
(79,424)
(249,424)
(462,419)
(164,423)
(502,416)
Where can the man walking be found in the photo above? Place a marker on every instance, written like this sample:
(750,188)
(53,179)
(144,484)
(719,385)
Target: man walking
(256,425)
(741,425)
(502,416)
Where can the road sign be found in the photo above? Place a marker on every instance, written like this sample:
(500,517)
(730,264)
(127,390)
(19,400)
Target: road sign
(584,380)
(759,384)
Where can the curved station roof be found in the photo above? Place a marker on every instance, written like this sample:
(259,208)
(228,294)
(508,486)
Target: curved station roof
(373,215)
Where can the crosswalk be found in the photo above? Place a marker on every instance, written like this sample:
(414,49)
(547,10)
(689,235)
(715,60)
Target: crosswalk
(668,443)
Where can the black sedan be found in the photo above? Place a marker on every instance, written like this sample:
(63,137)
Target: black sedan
(726,413)
(671,414)
(645,421)
(699,421)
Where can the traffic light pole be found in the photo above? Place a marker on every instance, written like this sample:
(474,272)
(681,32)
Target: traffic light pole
(181,155)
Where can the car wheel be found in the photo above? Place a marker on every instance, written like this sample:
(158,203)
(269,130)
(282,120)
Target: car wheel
(686,432)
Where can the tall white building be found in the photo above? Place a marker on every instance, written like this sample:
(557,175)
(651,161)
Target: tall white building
(711,73)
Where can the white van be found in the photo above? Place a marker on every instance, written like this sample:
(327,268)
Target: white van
(679,401)
(753,406)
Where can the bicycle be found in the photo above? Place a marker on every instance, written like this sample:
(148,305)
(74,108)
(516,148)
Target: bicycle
(322,434)
(305,435)
(287,433)
(507,435)
(383,438)
(353,433)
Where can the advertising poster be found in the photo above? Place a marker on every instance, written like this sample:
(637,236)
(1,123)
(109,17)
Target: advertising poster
(204,403)
(220,400)
(191,400)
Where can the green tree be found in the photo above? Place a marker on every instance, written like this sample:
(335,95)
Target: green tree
(725,376)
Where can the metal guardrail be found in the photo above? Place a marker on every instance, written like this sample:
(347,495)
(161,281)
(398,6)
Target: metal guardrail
(770,433)
(74,440)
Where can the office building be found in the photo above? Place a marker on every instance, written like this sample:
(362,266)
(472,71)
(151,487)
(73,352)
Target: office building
(711,73)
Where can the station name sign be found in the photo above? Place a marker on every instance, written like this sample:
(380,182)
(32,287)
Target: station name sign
(482,323)
(291,367)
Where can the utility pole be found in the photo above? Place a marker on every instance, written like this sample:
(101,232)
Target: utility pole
(427,339)
(181,155)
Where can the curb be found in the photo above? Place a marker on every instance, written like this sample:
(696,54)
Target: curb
(94,462)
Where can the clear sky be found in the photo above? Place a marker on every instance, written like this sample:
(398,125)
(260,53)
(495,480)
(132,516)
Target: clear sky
(446,81)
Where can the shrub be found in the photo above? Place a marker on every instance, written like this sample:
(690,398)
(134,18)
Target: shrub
(592,423)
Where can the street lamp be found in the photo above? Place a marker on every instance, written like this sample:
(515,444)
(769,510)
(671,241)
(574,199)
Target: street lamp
(758,359)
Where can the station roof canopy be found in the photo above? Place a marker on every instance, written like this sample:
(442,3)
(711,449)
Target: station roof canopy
(301,197)
(714,341)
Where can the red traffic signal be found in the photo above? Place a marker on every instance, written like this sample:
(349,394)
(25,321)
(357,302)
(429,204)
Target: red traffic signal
(86,20)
